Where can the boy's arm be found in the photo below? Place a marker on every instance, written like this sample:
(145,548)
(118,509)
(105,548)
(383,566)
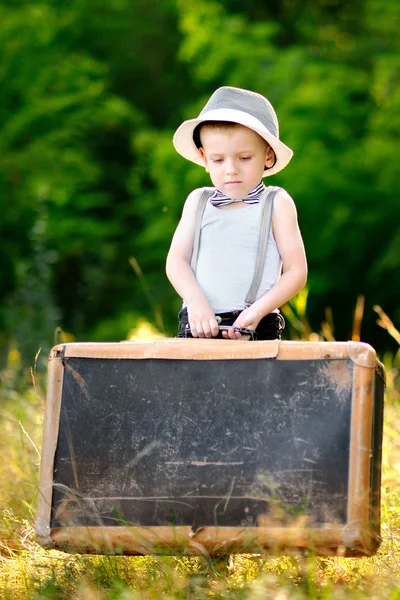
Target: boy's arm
(294,264)
(201,316)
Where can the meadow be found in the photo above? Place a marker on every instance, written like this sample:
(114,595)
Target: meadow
(29,571)
(91,187)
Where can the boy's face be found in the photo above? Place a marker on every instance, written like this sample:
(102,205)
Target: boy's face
(235,158)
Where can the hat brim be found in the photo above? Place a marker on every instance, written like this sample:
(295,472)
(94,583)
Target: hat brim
(184,143)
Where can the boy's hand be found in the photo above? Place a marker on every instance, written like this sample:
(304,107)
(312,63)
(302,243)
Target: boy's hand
(202,321)
(246,320)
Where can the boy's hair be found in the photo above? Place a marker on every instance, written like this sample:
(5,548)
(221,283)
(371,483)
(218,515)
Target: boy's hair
(225,126)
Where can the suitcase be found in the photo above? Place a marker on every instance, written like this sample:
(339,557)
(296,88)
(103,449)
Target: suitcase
(183,446)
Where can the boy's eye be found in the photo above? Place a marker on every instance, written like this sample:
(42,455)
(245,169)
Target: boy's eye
(245,157)
(217,160)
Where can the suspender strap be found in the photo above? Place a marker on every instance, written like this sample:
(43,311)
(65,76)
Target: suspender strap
(265,226)
(205,195)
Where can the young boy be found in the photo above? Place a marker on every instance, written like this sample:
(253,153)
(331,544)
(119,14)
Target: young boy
(236,139)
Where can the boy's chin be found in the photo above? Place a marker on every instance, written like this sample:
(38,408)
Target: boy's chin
(236,191)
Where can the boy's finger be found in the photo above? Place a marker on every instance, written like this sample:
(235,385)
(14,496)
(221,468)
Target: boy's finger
(214,327)
(207,331)
(193,330)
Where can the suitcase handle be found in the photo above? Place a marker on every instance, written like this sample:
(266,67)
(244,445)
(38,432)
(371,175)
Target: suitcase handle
(243,330)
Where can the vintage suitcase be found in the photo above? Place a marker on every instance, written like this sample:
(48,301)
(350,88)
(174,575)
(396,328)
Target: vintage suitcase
(212,447)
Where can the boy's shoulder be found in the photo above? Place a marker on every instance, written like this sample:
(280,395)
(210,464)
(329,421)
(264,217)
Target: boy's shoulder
(280,191)
(284,195)
(285,210)
(196,194)
(200,190)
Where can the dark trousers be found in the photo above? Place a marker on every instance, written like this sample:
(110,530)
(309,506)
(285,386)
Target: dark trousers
(269,328)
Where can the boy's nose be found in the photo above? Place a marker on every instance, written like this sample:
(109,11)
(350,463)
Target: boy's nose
(231,167)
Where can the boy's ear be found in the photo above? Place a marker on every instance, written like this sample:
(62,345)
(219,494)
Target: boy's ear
(269,158)
(203,156)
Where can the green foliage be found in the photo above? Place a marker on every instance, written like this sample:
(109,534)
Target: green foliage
(89,99)
(58,121)
(323,81)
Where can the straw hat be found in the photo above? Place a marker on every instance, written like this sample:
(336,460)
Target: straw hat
(236,106)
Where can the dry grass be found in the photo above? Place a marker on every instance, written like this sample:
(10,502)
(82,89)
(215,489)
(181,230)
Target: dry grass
(28,571)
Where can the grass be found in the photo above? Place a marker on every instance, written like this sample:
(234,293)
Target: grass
(29,571)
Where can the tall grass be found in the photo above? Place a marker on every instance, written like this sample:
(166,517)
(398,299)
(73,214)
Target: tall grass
(29,571)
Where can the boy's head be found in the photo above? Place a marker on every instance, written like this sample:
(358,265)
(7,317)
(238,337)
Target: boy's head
(235,156)
(234,107)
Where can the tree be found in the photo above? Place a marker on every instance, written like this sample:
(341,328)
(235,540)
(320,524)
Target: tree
(90,184)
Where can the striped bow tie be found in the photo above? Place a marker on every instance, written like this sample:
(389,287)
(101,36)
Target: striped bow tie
(219,198)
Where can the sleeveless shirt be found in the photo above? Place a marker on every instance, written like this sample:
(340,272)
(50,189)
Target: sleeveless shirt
(227,256)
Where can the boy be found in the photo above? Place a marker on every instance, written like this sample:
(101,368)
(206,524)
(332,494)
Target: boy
(236,139)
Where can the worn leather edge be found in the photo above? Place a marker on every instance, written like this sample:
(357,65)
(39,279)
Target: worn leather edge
(216,349)
(331,540)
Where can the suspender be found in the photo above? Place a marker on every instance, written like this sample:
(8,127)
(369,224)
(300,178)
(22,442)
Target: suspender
(267,199)
(265,226)
(206,194)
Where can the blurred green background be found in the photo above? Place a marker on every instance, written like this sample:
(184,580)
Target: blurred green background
(91,188)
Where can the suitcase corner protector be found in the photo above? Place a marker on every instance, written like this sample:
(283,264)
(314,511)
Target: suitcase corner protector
(362,354)
(359,539)
(58,351)
(42,531)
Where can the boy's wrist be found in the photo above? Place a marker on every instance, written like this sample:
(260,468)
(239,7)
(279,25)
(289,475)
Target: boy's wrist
(193,300)
(254,312)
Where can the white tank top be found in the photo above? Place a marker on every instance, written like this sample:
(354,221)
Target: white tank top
(227,256)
